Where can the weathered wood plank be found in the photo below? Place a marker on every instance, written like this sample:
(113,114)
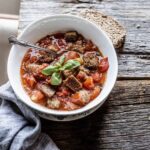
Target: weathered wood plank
(134,15)
(130,92)
(134,66)
(122,122)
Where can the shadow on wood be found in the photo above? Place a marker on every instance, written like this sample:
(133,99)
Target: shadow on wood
(77,134)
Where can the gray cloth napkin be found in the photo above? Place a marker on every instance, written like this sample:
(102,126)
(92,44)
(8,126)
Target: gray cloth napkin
(20,128)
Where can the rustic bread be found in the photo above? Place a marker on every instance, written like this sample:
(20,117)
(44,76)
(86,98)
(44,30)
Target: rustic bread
(113,29)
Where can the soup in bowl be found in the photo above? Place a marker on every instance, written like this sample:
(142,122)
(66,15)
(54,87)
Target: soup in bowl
(73,78)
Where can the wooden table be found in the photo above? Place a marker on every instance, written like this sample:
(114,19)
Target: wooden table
(124,120)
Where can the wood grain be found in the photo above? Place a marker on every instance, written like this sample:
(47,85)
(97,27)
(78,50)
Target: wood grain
(122,122)
(134,15)
(134,66)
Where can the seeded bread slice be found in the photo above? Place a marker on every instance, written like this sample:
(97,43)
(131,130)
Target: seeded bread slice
(113,29)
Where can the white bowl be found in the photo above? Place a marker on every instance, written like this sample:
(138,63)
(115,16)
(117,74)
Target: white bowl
(49,25)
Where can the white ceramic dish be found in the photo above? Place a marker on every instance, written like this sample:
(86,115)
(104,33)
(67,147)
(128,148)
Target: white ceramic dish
(52,24)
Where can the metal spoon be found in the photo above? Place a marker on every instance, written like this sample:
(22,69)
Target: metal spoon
(14,40)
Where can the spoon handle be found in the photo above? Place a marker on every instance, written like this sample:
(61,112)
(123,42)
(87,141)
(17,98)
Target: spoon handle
(13,40)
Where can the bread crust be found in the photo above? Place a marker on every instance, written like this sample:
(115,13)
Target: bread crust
(114,30)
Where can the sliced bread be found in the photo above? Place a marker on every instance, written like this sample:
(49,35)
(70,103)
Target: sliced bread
(114,30)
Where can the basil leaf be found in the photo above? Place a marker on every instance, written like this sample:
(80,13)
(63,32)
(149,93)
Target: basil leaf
(70,64)
(58,64)
(50,69)
(56,79)
(62,59)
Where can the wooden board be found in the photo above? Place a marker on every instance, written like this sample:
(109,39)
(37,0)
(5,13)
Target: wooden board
(122,123)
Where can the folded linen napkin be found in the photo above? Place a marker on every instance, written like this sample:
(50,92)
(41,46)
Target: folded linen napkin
(20,128)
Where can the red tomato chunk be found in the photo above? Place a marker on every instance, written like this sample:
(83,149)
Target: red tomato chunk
(104,65)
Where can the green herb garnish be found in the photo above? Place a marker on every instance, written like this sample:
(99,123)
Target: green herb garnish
(56,78)
(56,69)
(50,69)
(70,64)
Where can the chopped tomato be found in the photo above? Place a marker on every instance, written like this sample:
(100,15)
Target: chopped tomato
(72,55)
(78,102)
(80,98)
(102,79)
(77,99)
(30,80)
(95,92)
(96,77)
(81,76)
(33,59)
(38,97)
(104,65)
(76,96)
(63,92)
(88,83)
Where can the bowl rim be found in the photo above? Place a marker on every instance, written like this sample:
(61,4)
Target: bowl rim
(58,112)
